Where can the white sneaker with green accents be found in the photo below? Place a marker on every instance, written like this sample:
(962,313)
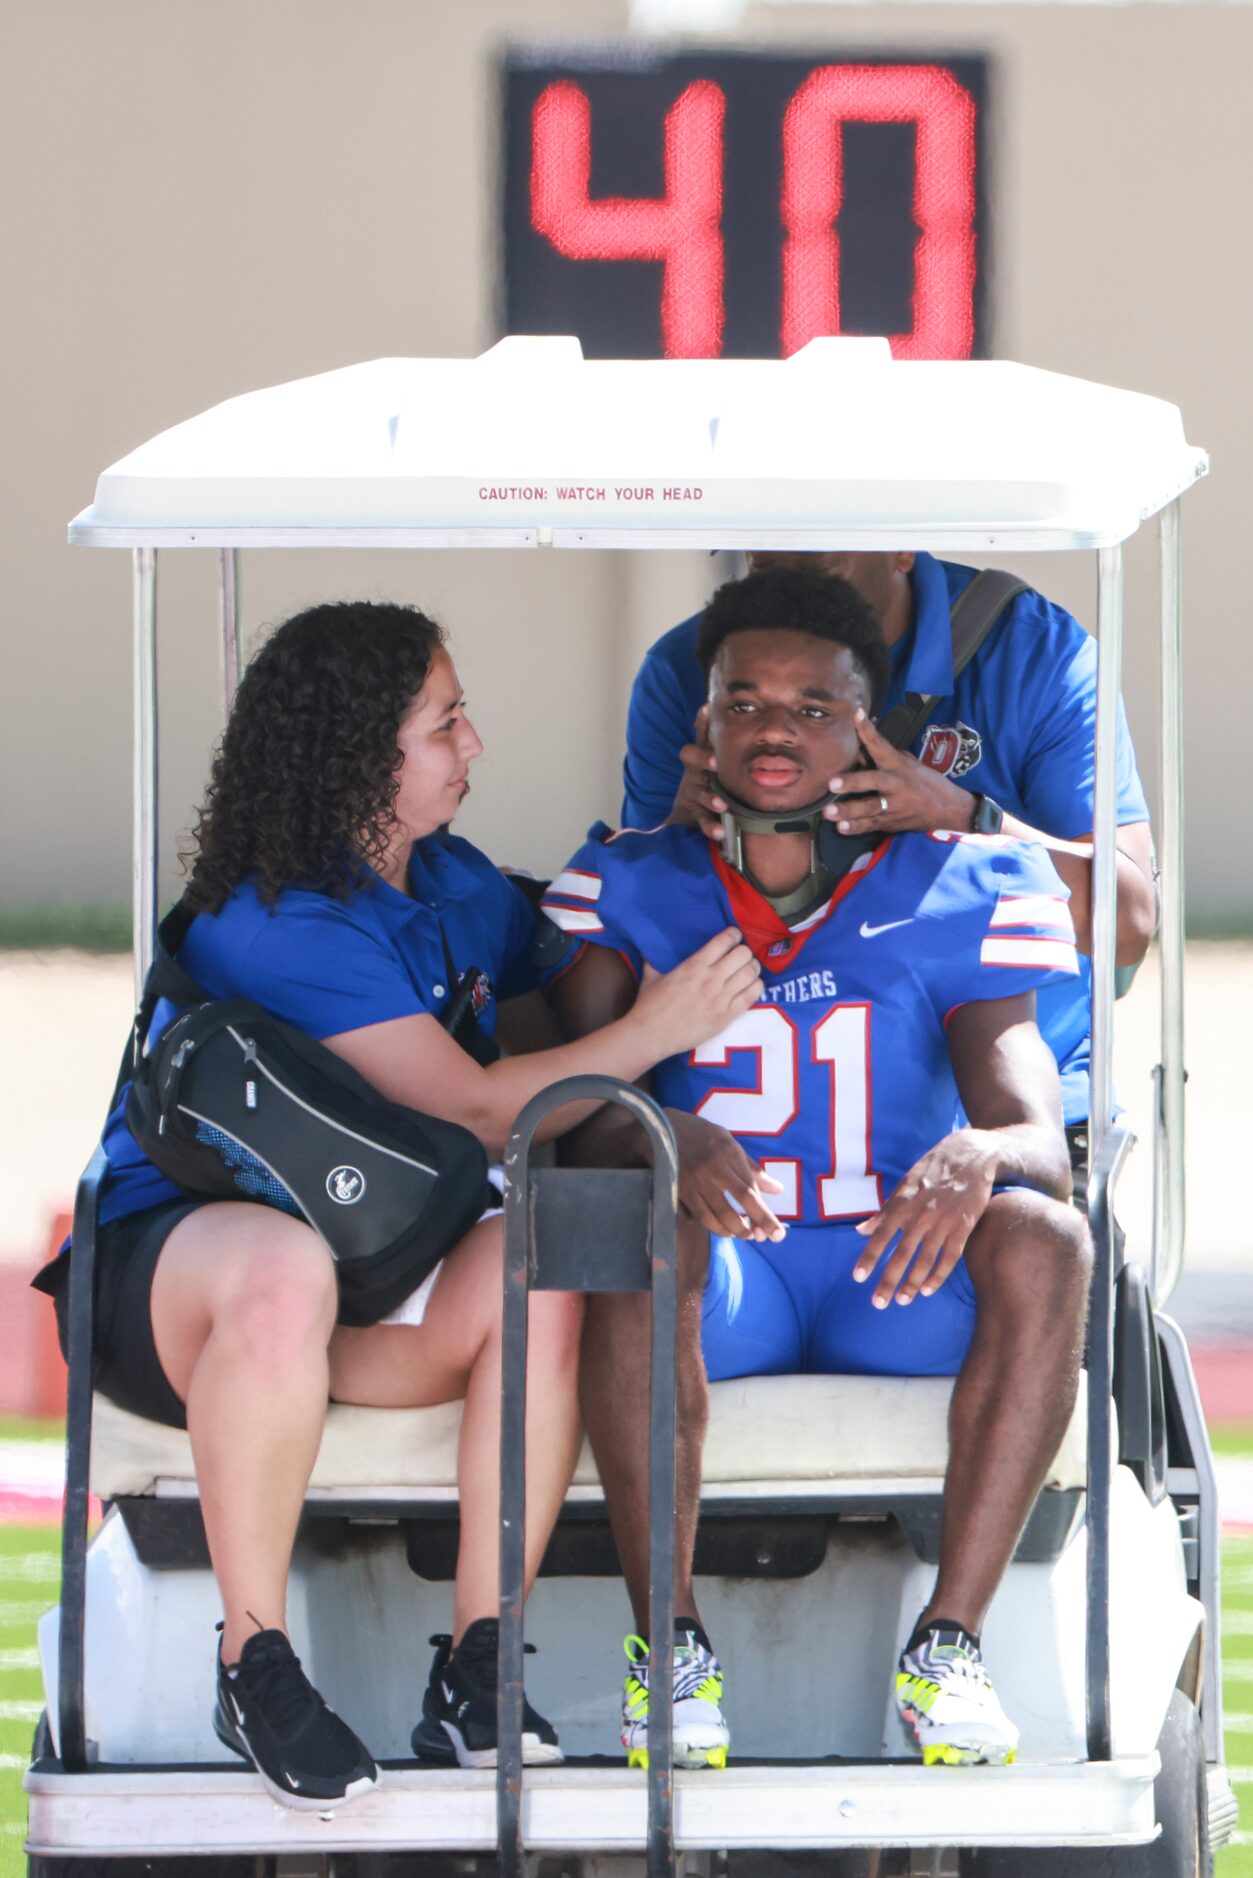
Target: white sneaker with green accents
(701,1736)
(946,1696)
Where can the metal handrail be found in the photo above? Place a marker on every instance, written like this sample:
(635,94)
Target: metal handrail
(520,1270)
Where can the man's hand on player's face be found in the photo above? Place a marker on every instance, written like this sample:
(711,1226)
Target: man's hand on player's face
(720,1185)
(935,1209)
(900,792)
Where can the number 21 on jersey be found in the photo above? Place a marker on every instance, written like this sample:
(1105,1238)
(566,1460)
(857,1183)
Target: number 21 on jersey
(847,1188)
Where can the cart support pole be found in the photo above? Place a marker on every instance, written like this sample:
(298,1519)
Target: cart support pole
(588,1229)
(661,1507)
(144,767)
(1106,1166)
(228,620)
(1169,1134)
(71,1652)
(509,1682)
(1109,607)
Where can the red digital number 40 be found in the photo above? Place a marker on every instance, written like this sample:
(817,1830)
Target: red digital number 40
(682,228)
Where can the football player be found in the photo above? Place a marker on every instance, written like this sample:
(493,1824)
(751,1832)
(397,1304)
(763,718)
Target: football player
(833,1218)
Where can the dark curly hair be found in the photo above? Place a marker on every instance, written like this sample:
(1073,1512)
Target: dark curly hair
(304,780)
(799,600)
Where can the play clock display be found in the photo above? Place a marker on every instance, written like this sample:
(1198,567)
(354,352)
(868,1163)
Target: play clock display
(739,204)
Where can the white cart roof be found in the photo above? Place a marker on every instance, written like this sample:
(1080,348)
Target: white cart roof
(840,445)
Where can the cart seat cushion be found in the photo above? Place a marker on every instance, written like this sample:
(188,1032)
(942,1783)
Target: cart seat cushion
(764,1431)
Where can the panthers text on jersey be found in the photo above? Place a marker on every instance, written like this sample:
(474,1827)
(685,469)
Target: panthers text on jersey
(838,1079)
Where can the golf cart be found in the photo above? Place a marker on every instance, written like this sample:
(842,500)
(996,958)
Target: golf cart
(821,1493)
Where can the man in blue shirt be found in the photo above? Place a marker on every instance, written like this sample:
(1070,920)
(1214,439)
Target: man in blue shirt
(1010,746)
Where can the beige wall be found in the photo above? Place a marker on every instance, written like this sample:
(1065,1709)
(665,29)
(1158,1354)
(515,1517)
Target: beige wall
(206,198)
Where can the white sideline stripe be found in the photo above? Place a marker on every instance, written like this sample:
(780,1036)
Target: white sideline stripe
(1043,954)
(36,1467)
(19,1659)
(1238,1671)
(1238,1623)
(1237,1723)
(14,1760)
(21,1711)
(32,1568)
(577,885)
(28,1611)
(1240,1776)
(574,918)
(1033,909)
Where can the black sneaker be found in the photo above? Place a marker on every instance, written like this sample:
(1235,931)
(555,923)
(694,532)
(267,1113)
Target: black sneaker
(269,1712)
(458,1725)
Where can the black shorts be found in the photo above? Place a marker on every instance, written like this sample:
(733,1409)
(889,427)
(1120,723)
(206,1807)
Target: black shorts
(125,1364)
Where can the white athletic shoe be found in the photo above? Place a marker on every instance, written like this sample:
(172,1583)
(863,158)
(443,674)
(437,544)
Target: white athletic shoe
(701,1736)
(946,1696)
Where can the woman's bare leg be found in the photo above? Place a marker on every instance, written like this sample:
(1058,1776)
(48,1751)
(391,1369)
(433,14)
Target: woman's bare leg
(455,1352)
(243,1306)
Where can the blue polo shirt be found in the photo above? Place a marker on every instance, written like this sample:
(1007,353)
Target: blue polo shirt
(1018,724)
(327,966)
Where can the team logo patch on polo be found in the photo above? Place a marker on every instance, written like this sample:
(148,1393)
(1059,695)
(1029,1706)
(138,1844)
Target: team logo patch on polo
(345,1185)
(480,991)
(952,749)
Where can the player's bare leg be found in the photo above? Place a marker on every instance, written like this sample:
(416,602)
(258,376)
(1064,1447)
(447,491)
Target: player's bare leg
(614,1396)
(615,1409)
(1029,1260)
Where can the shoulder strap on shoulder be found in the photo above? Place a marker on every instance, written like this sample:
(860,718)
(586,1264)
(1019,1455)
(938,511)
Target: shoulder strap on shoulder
(976,610)
(166,979)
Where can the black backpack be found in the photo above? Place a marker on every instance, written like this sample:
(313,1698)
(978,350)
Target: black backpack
(230,1103)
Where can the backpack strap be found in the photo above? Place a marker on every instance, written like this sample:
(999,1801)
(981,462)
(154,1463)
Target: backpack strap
(976,610)
(166,979)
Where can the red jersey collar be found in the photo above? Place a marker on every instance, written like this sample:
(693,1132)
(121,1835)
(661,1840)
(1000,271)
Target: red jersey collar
(769,938)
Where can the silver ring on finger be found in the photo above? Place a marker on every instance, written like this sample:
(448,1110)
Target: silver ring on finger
(883,805)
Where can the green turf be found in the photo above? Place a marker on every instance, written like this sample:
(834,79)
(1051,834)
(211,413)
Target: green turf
(86,928)
(21,1428)
(1233,1438)
(30,1570)
(1236,1861)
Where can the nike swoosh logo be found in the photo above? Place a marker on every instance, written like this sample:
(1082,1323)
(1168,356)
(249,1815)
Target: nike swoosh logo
(449,1695)
(871,932)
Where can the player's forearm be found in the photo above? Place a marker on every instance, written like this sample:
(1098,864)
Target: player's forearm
(1026,1154)
(610,1137)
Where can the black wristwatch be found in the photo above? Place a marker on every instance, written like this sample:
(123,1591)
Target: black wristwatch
(988,817)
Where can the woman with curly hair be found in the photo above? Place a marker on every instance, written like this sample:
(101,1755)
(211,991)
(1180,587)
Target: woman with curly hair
(329,890)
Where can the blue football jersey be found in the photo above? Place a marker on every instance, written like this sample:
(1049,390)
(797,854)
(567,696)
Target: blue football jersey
(838,1079)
